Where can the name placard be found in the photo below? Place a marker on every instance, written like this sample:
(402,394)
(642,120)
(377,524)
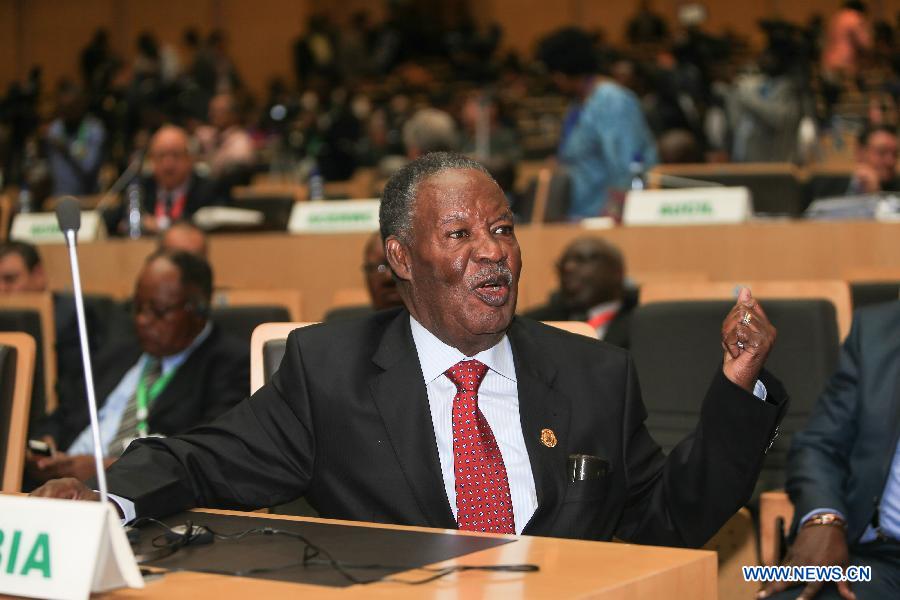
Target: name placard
(688,206)
(334,216)
(42,228)
(63,549)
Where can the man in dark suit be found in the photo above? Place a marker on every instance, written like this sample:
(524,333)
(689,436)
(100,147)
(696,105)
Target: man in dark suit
(592,289)
(180,367)
(844,468)
(451,413)
(379,283)
(174,192)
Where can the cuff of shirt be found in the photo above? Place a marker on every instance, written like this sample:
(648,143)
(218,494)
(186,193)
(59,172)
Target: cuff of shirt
(759,390)
(819,511)
(126,507)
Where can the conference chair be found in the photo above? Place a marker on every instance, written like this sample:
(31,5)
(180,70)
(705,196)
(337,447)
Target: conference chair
(579,327)
(869,293)
(547,198)
(776,513)
(270,188)
(350,297)
(275,209)
(348,303)
(774,187)
(6,209)
(827,183)
(290,300)
(873,284)
(33,313)
(358,187)
(17,360)
(240,321)
(267,349)
(677,348)
(835,291)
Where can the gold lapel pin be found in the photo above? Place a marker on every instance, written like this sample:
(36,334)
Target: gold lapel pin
(548,438)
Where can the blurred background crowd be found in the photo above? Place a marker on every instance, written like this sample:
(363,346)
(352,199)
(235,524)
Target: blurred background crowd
(371,92)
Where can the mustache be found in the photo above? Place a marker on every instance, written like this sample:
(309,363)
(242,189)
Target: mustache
(499,273)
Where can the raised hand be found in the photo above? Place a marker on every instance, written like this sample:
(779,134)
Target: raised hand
(747,338)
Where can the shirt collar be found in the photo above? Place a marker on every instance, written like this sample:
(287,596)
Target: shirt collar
(175,360)
(599,309)
(435,357)
(176,192)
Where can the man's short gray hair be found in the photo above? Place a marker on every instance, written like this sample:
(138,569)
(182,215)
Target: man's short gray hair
(430,130)
(398,199)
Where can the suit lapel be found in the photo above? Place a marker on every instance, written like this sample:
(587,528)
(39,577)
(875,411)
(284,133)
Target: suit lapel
(400,396)
(182,383)
(541,407)
(894,409)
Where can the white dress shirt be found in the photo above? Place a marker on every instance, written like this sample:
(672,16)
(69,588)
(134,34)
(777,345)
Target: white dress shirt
(110,414)
(498,399)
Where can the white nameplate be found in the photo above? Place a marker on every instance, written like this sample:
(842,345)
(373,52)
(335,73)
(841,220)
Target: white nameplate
(334,216)
(42,228)
(688,206)
(63,549)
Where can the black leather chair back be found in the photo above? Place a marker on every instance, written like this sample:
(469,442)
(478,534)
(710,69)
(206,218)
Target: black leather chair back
(677,347)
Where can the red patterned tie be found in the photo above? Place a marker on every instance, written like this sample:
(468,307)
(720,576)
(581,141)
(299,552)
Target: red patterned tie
(482,488)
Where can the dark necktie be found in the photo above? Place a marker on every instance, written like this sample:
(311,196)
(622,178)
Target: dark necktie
(482,488)
(128,426)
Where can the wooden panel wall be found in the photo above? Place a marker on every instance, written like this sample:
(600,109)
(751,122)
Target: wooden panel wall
(319,265)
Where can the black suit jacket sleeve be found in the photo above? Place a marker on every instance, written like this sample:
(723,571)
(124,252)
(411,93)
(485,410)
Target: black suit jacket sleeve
(682,499)
(260,453)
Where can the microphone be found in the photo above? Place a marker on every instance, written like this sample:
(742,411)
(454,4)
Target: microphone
(133,169)
(68,215)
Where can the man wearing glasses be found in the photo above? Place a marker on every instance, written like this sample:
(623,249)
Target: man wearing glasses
(379,283)
(177,372)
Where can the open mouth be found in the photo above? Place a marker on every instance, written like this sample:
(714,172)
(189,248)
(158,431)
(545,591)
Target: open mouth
(493,291)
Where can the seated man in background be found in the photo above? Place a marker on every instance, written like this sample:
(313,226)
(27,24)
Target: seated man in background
(173,192)
(379,282)
(381,418)
(21,269)
(876,162)
(225,146)
(592,289)
(179,372)
(843,471)
(184,236)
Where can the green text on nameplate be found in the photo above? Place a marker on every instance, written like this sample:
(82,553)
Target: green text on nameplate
(334,216)
(62,549)
(688,206)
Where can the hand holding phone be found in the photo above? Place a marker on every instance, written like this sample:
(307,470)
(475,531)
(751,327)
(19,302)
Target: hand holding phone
(41,448)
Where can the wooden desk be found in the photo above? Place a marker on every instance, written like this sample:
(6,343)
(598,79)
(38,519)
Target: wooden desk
(569,569)
(318,265)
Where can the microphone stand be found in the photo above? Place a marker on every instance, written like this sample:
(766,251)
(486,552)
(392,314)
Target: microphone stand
(71,242)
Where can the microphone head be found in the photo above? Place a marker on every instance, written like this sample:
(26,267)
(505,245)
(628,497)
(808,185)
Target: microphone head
(68,214)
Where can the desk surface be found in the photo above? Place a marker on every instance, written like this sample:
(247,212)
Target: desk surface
(569,569)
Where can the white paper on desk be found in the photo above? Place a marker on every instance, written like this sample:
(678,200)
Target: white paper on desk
(63,549)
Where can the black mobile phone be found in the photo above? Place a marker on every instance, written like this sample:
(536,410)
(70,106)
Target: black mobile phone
(40,448)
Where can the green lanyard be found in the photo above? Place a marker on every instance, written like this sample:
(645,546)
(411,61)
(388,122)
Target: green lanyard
(144,396)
